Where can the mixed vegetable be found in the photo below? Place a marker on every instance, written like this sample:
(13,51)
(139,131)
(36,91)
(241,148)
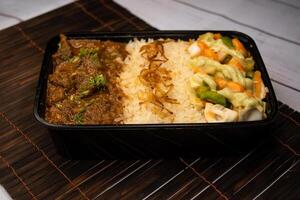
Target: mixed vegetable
(224,81)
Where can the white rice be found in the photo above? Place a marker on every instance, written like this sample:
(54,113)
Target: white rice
(136,112)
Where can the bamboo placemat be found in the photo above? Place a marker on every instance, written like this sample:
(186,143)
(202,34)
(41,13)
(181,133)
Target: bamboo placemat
(30,168)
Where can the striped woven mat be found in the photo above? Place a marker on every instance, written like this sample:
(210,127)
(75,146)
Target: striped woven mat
(30,168)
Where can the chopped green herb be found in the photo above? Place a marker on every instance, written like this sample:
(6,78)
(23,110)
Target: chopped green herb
(95,59)
(78,118)
(84,93)
(91,53)
(74,59)
(88,52)
(98,81)
(58,105)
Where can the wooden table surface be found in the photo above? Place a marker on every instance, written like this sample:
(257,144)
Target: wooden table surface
(30,168)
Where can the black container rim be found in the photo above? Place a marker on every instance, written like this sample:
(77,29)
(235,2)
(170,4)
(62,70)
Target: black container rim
(152,34)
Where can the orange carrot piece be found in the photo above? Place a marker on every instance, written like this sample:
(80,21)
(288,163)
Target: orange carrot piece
(236,87)
(236,63)
(257,83)
(221,82)
(202,45)
(238,45)
(217,36)
(198,70)
(210,53)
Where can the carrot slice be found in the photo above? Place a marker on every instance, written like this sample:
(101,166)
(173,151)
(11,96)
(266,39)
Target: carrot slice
(238,45)
(198,70)
(257,83)
(210,53)
(217,36)
(236,87)
(202,45)
(236,63)
(220,82)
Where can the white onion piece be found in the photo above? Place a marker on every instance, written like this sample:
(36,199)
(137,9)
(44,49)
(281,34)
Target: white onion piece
(194,49)
(250,114)
(218,113)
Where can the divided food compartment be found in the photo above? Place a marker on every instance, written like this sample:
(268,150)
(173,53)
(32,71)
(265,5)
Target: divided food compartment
(154,140)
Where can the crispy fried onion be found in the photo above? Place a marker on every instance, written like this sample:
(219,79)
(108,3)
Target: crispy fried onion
(157,79)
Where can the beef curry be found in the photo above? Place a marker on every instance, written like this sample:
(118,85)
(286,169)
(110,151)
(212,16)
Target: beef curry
(83,86)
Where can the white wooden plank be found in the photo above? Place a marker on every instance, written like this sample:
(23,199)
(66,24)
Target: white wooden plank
(290,3)
(287,96)
(263,14)
(3,194)
(280,56)
(26,9)
(7,21)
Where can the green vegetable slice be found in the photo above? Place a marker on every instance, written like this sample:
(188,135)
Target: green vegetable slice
(213,97)
(201,89)
(227,41)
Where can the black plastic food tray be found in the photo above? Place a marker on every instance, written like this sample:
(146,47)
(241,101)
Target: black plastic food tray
(153,140)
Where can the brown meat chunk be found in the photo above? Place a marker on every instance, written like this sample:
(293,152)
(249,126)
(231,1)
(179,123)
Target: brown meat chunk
(65,49)
(62,75)
(66,67)
(62,79)
(55,94)
(89,66)
(99,112)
